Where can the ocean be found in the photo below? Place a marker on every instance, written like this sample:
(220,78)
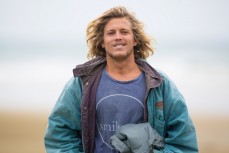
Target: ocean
(33,77)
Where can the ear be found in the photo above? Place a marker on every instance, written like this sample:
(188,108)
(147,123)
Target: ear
(103,45)
(135,43)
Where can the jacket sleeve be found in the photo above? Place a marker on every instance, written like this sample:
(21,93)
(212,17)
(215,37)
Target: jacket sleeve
(63,133)
(180,135)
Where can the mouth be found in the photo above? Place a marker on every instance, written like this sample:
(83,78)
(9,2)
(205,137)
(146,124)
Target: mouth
(118,45)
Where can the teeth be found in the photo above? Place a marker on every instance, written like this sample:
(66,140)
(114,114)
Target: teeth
(118,45)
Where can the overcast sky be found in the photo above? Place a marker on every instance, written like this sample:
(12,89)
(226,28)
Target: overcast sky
(66,20)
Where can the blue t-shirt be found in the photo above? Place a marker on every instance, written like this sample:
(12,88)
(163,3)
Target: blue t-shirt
(117,103)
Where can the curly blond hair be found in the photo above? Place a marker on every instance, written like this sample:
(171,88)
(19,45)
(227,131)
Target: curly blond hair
(95,32)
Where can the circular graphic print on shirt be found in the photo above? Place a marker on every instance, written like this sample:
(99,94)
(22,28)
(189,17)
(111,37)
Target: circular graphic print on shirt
(114,111)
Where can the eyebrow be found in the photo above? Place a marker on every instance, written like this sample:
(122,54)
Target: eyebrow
(115,30)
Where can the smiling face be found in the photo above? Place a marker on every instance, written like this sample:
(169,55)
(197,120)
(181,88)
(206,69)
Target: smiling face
(118,40)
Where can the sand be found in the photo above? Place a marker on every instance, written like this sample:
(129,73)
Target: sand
(24,132)
(212,133)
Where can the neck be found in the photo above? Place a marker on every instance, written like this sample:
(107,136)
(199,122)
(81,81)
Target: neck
(123,70)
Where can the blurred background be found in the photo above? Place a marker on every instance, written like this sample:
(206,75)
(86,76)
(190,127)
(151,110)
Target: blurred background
(41,41)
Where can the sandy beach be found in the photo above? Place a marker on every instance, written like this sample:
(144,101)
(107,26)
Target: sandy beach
(24,132)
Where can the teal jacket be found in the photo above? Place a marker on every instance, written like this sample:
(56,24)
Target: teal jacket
(71,124)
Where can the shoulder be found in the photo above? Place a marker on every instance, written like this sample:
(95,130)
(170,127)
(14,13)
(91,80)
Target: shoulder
(168,90)
(167,81)
(73,84)
(89,67)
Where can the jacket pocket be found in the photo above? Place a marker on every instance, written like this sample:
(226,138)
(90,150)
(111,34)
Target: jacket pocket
(159,122)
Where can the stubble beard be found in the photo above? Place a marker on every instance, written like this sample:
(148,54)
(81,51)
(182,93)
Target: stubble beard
(121,57)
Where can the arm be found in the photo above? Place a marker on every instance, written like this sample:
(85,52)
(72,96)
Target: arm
(63,133)
(180,135)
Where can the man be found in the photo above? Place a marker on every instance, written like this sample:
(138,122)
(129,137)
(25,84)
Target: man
(115,88)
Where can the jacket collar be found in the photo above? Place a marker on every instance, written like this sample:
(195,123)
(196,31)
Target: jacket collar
(89,68)
(153,78)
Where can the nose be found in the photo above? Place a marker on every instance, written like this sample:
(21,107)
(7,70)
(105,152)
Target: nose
(118,36)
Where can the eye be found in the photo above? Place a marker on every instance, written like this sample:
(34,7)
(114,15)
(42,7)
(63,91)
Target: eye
(110,32)
(125,31)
